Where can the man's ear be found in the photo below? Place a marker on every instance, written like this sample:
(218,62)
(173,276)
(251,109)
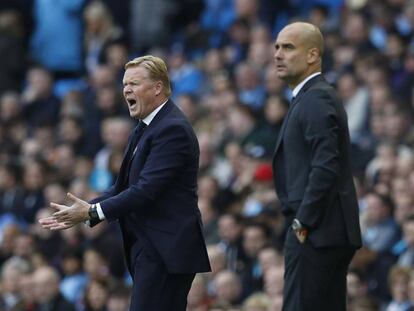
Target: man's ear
(313,55)
(159,86)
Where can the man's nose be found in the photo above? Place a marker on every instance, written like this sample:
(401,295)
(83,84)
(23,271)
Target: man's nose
(277,55)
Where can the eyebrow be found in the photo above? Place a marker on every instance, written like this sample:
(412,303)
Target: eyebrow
(130,80)
(284,45)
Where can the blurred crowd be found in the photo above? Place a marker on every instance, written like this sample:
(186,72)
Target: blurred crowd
(64,127)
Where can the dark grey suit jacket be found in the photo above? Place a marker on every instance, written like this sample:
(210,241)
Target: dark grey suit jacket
(311,165)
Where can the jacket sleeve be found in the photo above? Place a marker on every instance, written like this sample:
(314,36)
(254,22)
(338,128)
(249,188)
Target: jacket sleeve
(104,195)
(318,119)
(169,152)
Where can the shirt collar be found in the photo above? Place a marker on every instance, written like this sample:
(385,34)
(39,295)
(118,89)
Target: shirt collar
(300,85)
(147,120)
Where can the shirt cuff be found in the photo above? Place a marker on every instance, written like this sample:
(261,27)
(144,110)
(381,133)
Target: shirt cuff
(100,212)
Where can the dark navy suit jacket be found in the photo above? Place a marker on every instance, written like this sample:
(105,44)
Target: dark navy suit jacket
(157,205)
(312,171)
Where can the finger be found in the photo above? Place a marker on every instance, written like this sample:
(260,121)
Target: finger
(46,221)
(62,226)
(59,218)
(50,225)
(65,215)
(60,213)
(64,218)
(74,198)
(58,206)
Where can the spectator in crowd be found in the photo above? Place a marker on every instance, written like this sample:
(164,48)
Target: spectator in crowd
(99,31)
(48,297)
(13,59)
(261,194)
(218,263)
(27,292)
(12,273)
(10,107)
(406,259)
(209,218)
(115,55)
(273,286)
(96,295)
(249,84)
(25,246)
(40,105)
(398,280)
(9,233)
(119,297)
(198,297)
(11,194)
(73,283)
(380,231)
(275,110)
(34,179)
(249,133)
(228,288)
(188,104)
(268,258)
(255,238)
(185,77)
(230,229)
(56,41)
(256,302)
(355,99)
(357,287)
(115,137)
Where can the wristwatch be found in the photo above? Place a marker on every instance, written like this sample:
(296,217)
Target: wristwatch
(93,213)
(296,225)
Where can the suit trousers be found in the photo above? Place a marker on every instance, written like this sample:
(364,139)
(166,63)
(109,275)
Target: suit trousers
(315,278)
(153,287)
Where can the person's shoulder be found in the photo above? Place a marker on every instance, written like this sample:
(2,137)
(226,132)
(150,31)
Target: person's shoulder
(174,123)
(319,83)
(176,117)
(322,90)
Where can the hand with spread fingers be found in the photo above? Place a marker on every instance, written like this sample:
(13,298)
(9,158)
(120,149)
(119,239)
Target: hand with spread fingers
(66,216)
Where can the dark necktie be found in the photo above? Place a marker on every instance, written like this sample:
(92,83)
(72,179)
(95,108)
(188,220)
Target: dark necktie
(137,134)
(138,131)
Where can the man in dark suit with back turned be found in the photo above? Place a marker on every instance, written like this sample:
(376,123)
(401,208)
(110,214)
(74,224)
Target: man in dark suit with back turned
(155,196)
(313,179)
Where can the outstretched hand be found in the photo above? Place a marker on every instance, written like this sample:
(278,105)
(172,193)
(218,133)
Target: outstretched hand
(66,216)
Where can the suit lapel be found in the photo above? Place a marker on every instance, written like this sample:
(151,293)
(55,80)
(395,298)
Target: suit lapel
(122,171)
(285,121)
(294,102)
(168,107)
(129,155)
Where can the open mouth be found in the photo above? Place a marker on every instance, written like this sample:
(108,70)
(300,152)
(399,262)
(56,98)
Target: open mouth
(131,101)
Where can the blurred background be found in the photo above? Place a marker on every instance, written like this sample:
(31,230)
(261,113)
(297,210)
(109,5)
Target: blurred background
(64,127)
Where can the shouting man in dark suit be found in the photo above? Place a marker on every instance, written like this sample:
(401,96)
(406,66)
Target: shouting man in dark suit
(155,196)
(313,179)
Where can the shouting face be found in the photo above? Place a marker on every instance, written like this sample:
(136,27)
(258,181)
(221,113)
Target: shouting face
(140,92)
